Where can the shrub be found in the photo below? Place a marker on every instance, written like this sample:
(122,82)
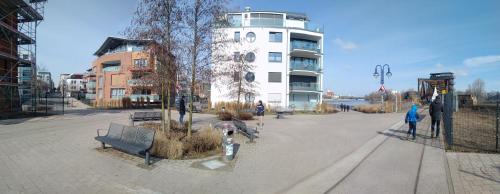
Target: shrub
(127,102)
(203,141)
(368,108)
(175,145)
(245,116)
(225,116)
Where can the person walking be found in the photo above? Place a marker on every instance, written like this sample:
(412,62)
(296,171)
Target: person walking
(435,110)
(182,110)
(348,107)
(260,109)
(411,118)
(342,107)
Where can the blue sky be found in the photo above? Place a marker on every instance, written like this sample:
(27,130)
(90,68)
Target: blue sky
(414,37)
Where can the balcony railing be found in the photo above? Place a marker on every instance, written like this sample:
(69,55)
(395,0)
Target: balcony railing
(90,96)
(302,66)
(152,97)
(303,105)
(305,45)
(111,69)
(141,68)
(139,82)
(266,22)
(305,86)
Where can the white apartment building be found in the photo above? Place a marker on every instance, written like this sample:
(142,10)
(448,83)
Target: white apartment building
(288,57)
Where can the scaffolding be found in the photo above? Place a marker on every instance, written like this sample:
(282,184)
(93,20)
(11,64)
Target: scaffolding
(19,20)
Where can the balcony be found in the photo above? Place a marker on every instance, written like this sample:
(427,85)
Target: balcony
(152,97)
(90,85)
(141,68)
(90,96)
(111,69)
(297,65)
(266,22)
(139,82)
(305,86)
(303,45)
(303,105)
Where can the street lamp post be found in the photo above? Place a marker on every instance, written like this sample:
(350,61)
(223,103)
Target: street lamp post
(382,77)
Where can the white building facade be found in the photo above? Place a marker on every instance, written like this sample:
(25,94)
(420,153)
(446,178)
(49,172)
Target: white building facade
(288,57)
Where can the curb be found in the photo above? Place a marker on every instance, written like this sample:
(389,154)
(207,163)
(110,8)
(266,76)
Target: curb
(328,178)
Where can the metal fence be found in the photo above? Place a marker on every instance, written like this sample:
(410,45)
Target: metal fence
(474,128)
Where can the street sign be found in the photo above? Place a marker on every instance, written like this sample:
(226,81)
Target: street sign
(382,89)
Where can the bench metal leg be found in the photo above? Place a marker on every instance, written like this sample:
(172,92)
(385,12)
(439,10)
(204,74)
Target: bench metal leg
(103,145)
(147,159)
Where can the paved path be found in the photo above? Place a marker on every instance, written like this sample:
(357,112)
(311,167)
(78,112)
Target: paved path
(400,165)
(61,156)
(475,173)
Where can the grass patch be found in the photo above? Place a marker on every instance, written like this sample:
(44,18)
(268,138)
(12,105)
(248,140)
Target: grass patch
(175,145)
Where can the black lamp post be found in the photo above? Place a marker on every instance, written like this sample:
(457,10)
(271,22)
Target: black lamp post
(382,77)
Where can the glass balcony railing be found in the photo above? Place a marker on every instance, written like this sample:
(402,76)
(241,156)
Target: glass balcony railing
(266,22)
(152,97)
(303,66)
(306,86)
(303,105)
(305,45)
(313,27)
(111,69)
(90,96)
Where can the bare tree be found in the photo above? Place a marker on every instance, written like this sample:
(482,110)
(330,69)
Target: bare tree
(160,21)
(477,89)
(202,18)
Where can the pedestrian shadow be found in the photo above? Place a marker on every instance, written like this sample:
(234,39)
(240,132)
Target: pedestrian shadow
(423,139)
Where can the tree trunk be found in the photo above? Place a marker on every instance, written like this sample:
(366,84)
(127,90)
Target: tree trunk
(169,114)
(193,65)
(162,106)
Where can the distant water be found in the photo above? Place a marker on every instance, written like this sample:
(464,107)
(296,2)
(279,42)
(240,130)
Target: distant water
(349,102)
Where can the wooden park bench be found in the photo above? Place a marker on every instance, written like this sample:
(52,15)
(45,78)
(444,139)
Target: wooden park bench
(144,116)
(130,139)
(282,111)
(242,128)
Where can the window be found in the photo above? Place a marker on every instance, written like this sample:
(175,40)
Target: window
(274,98)
(250,57)
(275,37)
(274,77)
(236,76)
(117,93)
(140,63)
(237,36)
(274,57)
(236,57)
(250,37)
(234,20)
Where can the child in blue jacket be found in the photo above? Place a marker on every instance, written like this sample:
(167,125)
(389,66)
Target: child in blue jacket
(411,118)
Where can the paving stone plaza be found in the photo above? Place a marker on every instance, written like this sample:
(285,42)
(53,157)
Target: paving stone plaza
(58,154)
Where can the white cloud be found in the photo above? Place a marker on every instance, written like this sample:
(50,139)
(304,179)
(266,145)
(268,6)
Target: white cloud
(460,72)
(345,45)
(439,65)
(482,60)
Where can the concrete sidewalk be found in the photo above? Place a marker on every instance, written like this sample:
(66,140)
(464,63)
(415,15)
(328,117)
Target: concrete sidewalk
(401,165)
(388,163)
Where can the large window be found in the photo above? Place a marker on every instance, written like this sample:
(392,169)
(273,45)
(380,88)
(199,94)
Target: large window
(274,57)
(234,20)
(117,93)
(275,37)
(274,77)
(237,36)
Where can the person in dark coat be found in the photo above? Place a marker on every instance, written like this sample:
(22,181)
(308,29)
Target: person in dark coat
(182,110)
(342,107)
(348,107)
(260,109)
(435,110)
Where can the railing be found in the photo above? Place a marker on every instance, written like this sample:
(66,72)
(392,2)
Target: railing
(313,27)
(303,105)
(305,45)
(152,97)
(266,22)
(299,65)
(141,68)
(138,82)
(111,69)
(90,96)
(90,85)
(304,86)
